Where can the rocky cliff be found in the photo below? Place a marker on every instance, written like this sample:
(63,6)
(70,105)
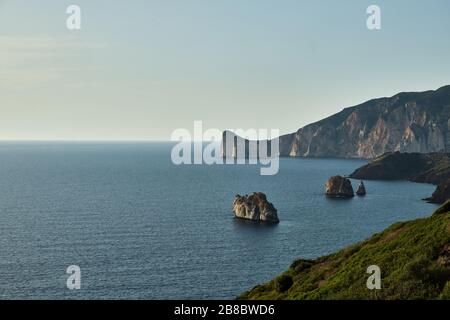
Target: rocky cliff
(406,122)
(361,191)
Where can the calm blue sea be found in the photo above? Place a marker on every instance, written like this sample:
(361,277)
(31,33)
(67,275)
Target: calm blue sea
(141,228)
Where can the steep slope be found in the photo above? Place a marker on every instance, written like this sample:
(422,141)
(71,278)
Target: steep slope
(414,258)
(406,122)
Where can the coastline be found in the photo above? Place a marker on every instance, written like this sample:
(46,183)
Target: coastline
(406,253)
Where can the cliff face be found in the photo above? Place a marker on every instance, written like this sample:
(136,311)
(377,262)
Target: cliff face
(406,122)
(431,168)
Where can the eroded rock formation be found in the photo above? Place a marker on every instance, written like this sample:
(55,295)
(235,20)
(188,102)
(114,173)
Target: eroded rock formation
(255,207)
(361,189)
(339,187)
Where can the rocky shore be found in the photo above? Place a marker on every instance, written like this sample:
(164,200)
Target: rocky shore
(408,122)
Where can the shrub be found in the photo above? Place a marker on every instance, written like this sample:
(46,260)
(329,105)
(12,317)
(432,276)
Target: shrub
(283,283)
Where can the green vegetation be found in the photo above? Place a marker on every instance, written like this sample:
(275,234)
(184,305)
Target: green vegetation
(414,258)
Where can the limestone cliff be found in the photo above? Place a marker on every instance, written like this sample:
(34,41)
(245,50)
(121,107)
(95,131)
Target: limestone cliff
(406,122)
(361,191)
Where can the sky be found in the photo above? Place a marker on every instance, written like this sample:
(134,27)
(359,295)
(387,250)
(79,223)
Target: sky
(138,70)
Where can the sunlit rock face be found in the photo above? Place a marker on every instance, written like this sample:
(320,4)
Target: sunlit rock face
(339,187)
(255,207)
(406,122)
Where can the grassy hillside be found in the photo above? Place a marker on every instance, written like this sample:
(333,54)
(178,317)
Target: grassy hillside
(414,258)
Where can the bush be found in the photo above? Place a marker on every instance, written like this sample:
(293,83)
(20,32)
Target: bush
(301,265)
(283,283)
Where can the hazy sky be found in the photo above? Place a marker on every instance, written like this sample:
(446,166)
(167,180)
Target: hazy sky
(140,69)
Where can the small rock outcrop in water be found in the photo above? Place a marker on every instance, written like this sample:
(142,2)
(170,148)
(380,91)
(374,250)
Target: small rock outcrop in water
(361,189)
(339,187)
(255,207)
(423,168)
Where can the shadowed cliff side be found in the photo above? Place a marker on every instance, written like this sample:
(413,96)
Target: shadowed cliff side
(431,168)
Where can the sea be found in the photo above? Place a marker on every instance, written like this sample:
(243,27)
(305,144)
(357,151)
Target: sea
(140,227)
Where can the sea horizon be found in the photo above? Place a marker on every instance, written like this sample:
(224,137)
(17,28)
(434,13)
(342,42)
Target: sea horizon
(113,197)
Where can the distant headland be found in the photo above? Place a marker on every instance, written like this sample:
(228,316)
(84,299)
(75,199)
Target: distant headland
(406,122)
